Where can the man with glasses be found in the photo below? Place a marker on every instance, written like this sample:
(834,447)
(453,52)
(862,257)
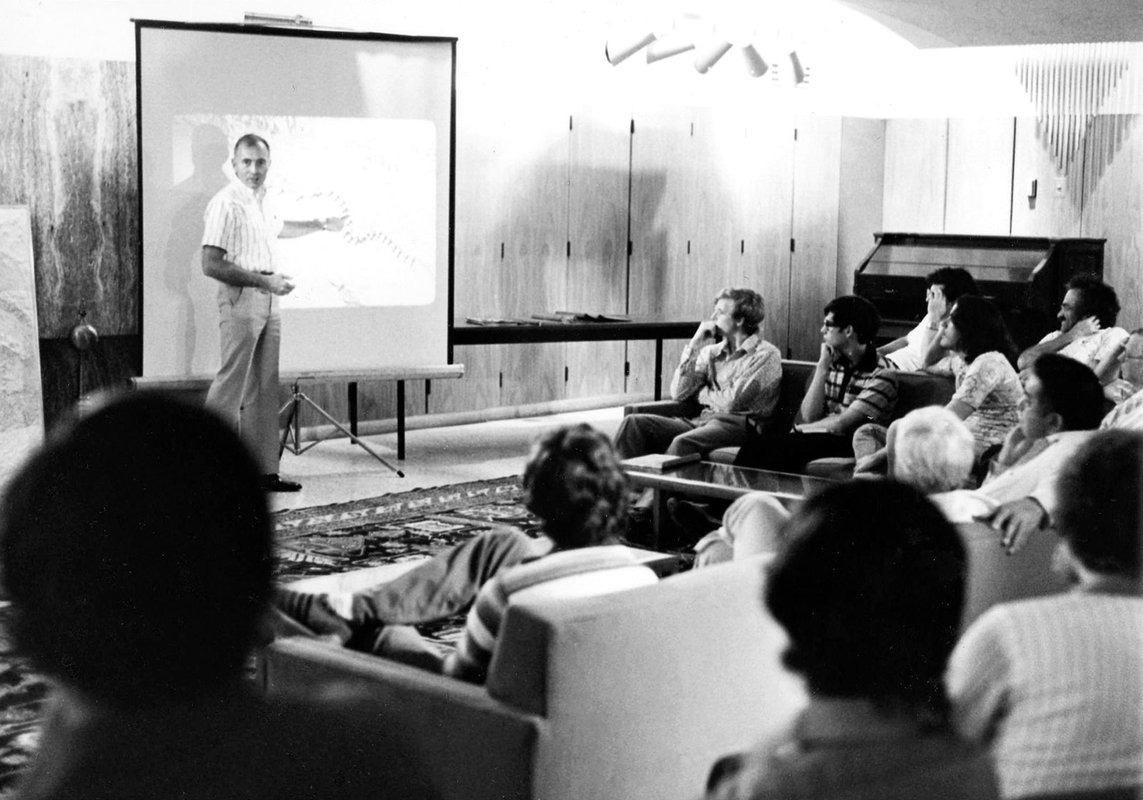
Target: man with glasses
(851,385)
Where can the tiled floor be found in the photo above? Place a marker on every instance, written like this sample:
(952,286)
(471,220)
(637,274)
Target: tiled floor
(336,471)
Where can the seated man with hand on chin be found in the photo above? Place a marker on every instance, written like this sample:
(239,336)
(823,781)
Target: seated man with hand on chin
(730,369)
(851,385)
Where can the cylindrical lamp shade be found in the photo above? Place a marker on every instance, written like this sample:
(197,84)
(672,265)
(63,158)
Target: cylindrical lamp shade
(709,56)
(755,64)
(623,50)
(667,47)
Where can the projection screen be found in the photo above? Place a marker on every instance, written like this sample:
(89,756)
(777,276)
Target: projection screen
(361,129)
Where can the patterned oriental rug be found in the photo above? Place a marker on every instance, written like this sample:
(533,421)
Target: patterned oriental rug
(321,540)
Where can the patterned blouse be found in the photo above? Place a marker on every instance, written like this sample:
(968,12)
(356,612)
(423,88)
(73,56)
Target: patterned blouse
(991,387)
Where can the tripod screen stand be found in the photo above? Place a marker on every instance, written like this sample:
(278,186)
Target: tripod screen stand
(292,431)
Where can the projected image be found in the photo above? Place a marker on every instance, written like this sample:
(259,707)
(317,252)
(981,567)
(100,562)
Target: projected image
(376,176)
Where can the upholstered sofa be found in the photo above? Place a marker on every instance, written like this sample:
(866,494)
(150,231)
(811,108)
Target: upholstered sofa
(914,390)
(630,695)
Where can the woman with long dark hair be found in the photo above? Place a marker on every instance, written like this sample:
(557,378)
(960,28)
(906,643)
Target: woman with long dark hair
(988,391)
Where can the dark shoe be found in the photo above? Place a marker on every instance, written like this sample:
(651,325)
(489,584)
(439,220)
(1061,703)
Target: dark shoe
(276,483)
(695,519)
(640,526)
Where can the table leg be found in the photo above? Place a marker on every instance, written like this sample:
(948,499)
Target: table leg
(659,517)
(400,420)
(352,398)
(658,369)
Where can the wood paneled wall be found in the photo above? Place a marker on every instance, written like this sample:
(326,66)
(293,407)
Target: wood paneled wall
(1101,197)
(708,198)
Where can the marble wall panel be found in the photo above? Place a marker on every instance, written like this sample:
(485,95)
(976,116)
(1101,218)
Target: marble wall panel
(67,151)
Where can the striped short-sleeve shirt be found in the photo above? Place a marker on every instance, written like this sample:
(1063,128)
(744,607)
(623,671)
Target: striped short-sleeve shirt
(605,569)
(1053,686)
(244,224)
(870,387)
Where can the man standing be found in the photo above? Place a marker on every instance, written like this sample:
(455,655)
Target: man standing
(1087,329)
(851,385)
(238,251)
(730,369)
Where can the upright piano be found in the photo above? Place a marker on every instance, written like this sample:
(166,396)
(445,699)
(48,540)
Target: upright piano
(1026,276)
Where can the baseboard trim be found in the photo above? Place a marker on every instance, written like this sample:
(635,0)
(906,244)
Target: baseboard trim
(422,421)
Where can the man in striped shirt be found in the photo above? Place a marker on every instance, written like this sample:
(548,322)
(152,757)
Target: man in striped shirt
(574,484)
(238,251)
(1054,685)
(851,385)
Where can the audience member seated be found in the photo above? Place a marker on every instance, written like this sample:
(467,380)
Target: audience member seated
(1054,685)
(988,389)
(1128,389)
(921,345)
(732,372)
(1087,329)
(871,603)
(1063,403)
(929,448)
(851,385)
(573,483)
(136,550)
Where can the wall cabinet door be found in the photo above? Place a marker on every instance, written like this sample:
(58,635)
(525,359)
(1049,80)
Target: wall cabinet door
(978,189)
(915,169)
(598,197)
(813,264)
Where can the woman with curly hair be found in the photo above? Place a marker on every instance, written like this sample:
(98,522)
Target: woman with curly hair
(573,483)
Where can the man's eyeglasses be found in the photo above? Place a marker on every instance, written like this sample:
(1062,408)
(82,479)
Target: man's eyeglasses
(827,324)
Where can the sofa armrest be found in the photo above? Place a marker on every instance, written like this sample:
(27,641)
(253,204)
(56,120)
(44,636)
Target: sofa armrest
(664,408)
(473,745)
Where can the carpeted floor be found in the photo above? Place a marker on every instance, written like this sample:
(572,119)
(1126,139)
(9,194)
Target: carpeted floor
(311,541)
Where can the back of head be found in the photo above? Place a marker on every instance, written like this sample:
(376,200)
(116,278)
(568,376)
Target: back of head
(932,450)
(748,306)
(1096,299)
(852,310)
(1071,390)
(1100,492)
(869,588)
(981,328)
(955,280)
(136,551)
(574,484)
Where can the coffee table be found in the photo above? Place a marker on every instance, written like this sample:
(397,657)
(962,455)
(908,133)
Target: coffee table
(723,482)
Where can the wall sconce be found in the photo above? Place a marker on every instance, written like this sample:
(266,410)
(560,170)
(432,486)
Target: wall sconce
(626,48)
(709,55)
(670,45)
(755,64)
(799,70)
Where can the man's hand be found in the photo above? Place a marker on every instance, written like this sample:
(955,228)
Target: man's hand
(825,357)
(1085,327)
(1016,444)
(938,307)
(279,284)
(1016,520)
(706,330)
(334,223)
